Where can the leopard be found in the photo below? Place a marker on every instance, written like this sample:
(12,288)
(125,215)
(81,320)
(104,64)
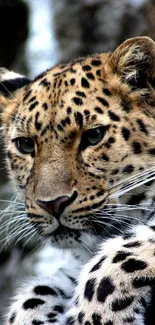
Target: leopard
(80,150)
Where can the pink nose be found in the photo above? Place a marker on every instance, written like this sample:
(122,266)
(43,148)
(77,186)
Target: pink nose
(55,207)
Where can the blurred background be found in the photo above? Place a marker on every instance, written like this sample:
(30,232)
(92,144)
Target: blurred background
(35,35)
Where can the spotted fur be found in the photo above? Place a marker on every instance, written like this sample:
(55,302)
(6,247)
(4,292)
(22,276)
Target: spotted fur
(77,137)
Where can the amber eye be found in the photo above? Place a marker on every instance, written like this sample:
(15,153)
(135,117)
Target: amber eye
(92,137)
(24,145)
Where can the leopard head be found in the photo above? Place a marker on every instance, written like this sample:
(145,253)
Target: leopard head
(76,134)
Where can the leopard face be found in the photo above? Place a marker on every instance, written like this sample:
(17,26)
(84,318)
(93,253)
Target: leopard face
(75,132)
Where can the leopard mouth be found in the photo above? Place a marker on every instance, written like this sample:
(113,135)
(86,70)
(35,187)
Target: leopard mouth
(66,237)
(95,227)
(63,231)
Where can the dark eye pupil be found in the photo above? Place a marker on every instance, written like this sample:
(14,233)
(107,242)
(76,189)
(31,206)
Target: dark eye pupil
(94,136)
(25,145)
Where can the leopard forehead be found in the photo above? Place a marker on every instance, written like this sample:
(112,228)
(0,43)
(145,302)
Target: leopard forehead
(72,97)
(60,104)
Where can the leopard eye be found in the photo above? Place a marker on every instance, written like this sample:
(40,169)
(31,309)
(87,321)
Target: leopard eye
(24,145)
(92,137)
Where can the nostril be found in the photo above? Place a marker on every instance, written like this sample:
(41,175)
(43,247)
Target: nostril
(57,206)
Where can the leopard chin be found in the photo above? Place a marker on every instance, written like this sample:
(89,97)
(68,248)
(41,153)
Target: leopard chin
(64,237)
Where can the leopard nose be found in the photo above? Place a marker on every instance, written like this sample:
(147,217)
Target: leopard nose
(57,206)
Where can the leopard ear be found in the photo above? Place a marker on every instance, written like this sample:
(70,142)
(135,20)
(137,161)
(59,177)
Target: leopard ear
(10,84)
(134,61)
(11,81)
